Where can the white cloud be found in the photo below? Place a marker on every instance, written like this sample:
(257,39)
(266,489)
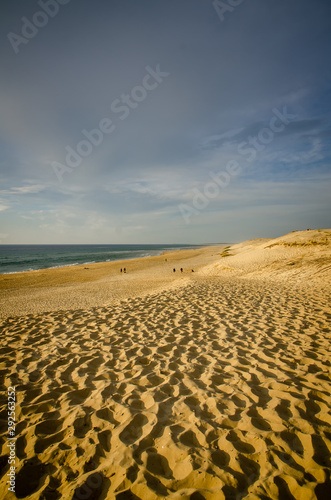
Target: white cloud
(304,157)
(208,142)
(24,190)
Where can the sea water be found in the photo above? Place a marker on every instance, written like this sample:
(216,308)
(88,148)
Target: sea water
(19,258)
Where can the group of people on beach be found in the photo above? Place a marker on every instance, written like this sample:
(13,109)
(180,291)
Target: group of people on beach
(123,270)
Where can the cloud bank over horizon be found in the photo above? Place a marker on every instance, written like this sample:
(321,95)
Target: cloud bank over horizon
(117,117)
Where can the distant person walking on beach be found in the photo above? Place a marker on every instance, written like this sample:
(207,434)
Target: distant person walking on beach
(181,269)
(121,270)
(124,270)
(174,270)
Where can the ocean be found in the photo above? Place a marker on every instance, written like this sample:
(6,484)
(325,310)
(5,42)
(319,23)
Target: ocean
(19,258)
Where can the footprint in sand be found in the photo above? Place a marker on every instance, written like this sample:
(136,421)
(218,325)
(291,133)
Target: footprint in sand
(239,445)
(29,476)
(283,409)
(220,458)
(107,415)
(78,397)
(92,488)
(189,439)
(293,441)
(250,468)
(43,443)
(322,454)
(283,489)
(20,447)
(104,440)
(82,425)
(155,484)
(257,421)
(47,427)
(159,466)
(133,431)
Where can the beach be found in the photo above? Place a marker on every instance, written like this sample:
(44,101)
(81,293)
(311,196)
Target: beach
(149,384)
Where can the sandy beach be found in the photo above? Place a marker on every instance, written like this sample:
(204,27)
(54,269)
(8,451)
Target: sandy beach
(212,384)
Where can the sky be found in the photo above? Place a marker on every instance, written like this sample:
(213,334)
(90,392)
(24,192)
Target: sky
(150,121)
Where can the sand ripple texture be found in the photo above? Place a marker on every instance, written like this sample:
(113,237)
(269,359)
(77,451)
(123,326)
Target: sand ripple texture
(218,390)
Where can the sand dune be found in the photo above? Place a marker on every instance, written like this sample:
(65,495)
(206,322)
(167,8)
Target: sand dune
(300,256)
(217,387)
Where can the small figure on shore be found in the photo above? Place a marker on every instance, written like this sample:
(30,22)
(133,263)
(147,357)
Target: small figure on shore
(124,270)
(192,270)
(121,270)
(174,270)
(181,269)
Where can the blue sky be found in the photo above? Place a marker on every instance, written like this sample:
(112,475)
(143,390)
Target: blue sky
(180,91)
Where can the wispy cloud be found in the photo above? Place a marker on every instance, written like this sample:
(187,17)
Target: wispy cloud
(23,190)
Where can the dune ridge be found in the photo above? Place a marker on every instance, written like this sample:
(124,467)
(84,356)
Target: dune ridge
(301,256)
(217,387)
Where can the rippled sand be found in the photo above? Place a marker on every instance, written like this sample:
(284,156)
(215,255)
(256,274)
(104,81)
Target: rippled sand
(216,388)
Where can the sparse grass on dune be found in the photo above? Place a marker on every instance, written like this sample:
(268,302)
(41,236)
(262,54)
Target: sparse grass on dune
(299,243)
(225,252)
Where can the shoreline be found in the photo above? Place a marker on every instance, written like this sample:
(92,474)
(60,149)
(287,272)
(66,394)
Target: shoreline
(194,247)
(79,286)
(301,257)
(79,264)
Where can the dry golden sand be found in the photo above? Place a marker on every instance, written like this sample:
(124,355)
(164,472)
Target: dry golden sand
(207,385)
(96,284)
